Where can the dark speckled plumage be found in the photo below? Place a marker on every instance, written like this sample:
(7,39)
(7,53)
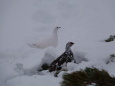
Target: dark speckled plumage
(66,57)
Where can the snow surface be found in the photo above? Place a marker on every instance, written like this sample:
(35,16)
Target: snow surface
(85,22)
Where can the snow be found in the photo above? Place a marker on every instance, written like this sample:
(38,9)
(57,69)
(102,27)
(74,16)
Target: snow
(35,80)
(87,23)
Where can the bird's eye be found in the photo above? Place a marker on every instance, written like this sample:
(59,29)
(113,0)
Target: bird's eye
(58,27)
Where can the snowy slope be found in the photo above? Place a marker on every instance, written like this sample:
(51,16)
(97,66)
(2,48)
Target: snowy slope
(85,22)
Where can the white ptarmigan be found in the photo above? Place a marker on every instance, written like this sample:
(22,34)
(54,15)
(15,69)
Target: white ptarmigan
(51,41)
(66,57)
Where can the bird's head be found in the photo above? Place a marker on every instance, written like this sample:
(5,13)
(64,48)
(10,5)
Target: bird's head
(56,29)
(69,44)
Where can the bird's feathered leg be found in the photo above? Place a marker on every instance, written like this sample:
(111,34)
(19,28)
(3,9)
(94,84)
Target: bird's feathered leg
(57,71)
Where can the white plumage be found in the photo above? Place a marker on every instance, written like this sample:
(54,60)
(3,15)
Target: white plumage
(51,41)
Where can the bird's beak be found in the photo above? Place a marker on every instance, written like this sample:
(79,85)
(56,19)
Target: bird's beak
(72,43)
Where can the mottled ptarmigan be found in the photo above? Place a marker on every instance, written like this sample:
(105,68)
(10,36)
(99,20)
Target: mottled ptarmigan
(66,57)
(51,41)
